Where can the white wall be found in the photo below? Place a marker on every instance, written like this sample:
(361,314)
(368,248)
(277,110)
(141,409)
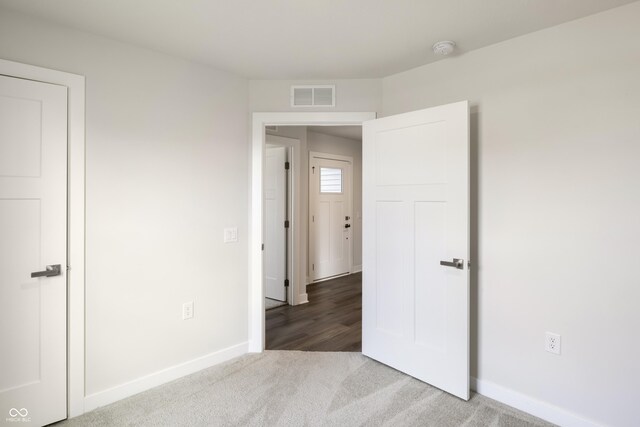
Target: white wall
(345,147)
(556,143)
(166,171)
(352,95)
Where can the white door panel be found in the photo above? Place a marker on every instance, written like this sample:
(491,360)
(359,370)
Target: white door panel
(33,179)
(390,257)
(275,215)
(322,232)
(330,206)
(416,214)
(430,277)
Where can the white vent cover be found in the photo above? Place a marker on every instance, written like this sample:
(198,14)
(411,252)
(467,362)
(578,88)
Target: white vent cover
(313,96)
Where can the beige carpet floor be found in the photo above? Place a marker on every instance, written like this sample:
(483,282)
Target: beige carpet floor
(289,388)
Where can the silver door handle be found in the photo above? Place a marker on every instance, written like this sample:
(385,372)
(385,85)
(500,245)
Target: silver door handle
(50,270)
(457,263)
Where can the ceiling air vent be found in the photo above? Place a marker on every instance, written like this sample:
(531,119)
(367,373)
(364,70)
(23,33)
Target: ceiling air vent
(313,96)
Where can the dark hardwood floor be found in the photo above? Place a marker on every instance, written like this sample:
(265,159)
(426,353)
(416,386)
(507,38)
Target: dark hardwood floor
(331,321)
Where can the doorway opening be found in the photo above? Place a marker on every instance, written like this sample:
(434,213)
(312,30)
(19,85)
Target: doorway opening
(326,315)
(299,278)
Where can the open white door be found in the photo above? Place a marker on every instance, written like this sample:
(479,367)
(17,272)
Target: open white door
(415,216)
(33,251)
(275,203)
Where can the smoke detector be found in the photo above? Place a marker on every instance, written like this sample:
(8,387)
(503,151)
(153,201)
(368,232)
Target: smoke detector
(444,47)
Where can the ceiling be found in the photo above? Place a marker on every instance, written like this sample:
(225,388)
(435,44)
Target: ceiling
(349,132)
(310,39)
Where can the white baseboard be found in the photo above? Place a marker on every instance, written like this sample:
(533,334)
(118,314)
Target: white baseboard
(303,299)
(530,405)
(155,379)
(356,269)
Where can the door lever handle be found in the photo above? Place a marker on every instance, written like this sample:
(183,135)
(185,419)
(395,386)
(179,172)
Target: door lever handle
(457,263)
(50,270)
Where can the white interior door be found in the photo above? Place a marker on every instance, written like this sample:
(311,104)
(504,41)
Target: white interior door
(416,214)
(275,202)
(33,201)
(329,216)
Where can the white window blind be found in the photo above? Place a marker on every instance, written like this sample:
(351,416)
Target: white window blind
(330,180)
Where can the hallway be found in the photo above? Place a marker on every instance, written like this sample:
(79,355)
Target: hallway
(331,321)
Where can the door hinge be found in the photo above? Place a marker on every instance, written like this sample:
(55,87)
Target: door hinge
(313,170)
(313,267)
(286,283)
(286,165)
(286,223)
(263,246)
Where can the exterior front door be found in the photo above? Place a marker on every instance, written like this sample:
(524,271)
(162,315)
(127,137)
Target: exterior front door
(330,216)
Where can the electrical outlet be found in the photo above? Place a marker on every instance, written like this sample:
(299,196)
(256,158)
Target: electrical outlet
(552,343)
(187,310)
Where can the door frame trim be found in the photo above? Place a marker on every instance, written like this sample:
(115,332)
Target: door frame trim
(75,220)
(256,313)
(340,158)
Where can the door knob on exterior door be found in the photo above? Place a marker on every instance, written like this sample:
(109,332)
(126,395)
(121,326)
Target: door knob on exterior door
(50,270)
(457,263)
